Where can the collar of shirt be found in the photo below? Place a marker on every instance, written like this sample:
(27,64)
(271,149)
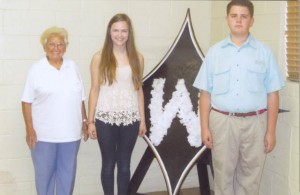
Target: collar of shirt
(249,42)
(48,65)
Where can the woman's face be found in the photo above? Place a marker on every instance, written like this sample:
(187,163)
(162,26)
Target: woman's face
(55,47)
(119,33)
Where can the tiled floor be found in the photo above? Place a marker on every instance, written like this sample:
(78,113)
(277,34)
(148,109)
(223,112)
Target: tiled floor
(191,191)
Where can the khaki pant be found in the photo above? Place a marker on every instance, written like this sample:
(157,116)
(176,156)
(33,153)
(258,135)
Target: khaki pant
(238,153)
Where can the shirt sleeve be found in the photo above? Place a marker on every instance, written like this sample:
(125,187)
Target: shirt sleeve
(28,93)
(274,79)
(203,80)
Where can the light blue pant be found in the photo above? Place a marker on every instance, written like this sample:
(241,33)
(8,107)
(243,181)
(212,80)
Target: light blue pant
(55,167)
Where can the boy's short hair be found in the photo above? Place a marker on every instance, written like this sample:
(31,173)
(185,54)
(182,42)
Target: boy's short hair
(244,3)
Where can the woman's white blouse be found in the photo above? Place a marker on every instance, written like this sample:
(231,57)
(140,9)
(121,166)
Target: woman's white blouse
(56,98)
(118,103)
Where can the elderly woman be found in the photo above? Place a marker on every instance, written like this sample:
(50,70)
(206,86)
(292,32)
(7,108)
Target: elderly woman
(54,115)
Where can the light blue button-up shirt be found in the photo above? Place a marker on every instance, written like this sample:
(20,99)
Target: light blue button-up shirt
(239,78)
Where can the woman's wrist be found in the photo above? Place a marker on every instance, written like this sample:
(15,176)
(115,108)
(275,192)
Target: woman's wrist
(84,120)
(90,122)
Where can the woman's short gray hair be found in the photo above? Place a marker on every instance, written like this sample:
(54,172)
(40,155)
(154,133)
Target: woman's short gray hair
(54,30)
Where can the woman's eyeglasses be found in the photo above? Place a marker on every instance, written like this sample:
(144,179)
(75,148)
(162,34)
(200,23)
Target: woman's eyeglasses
(52,45)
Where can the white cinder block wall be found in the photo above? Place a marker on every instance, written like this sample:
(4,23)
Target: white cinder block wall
(156,25)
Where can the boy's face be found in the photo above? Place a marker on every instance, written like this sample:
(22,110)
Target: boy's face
(239,20)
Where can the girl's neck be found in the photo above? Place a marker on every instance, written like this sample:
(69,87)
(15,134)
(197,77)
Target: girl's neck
(121,56)
(119,49)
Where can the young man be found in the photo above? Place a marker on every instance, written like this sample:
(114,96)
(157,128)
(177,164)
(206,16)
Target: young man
(239,82)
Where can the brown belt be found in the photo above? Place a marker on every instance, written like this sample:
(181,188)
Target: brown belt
(241,114)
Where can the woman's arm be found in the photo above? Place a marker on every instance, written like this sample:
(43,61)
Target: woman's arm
(94,93)
(84,122)
(31,138)
(142,129)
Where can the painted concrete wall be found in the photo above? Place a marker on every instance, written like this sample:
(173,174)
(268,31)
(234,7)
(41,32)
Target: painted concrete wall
(156,25)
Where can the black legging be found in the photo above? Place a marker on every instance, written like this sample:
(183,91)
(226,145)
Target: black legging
(116,146)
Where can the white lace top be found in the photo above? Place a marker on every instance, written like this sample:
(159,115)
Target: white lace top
(118,103)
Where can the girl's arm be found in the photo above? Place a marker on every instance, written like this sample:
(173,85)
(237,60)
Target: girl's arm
(94,93)
(142,129)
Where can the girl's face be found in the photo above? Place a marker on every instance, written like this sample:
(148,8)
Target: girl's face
(119,33)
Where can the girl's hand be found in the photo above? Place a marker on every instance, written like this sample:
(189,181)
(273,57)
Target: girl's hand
(142,129)
(92,131)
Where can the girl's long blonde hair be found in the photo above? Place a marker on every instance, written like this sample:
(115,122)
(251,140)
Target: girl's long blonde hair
(108,63)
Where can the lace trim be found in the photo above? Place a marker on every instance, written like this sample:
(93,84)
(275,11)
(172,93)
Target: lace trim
(118,118)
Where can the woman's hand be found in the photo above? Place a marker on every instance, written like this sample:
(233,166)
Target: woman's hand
(31,138)
(85,132)
(92,131)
